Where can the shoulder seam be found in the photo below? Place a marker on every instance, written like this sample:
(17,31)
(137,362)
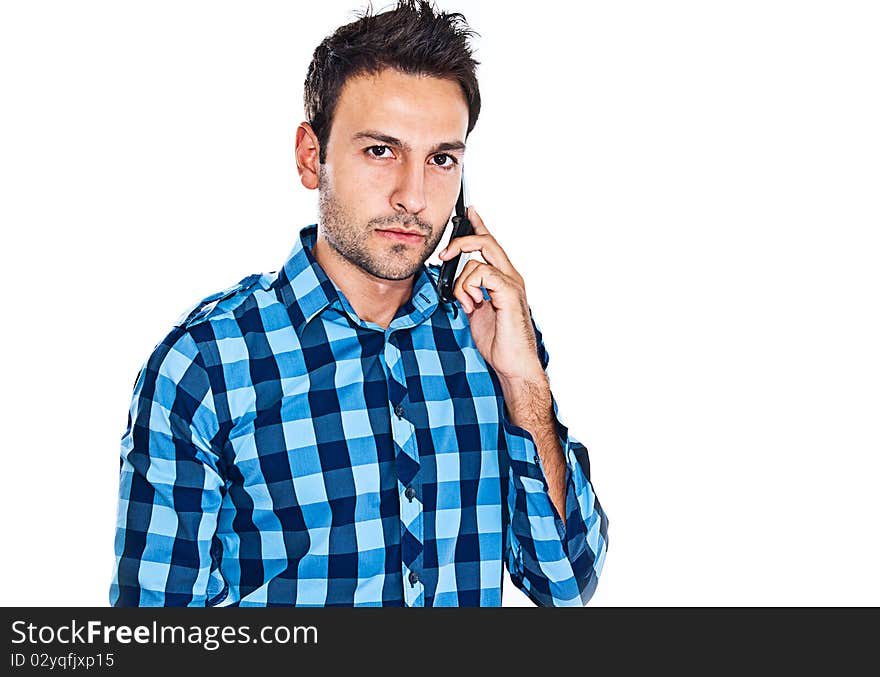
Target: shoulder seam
(203,309)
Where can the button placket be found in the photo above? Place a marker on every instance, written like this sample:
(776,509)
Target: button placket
(413,589)
(411,513)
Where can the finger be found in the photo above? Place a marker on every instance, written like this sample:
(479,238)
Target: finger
(475,296)
(477,221)
(488,248)
(502,289)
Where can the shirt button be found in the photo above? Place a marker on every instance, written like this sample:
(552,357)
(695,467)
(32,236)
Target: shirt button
(399,410)
(413,577)
(410,493)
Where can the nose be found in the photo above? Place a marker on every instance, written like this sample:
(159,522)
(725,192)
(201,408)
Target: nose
(409,192)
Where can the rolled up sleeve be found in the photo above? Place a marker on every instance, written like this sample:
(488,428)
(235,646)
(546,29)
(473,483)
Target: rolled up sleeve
(553,563)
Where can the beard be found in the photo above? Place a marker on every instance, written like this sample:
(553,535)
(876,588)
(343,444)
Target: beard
(396,261)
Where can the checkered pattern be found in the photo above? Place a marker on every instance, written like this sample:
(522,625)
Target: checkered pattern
(282,451)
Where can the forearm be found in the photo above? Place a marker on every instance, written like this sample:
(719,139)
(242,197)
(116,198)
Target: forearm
(555,564)
(529,405)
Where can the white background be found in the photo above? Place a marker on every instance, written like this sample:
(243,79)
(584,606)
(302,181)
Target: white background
(690,190)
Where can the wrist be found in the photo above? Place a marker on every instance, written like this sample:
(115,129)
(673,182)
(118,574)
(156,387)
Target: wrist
(529,375)
(527,397)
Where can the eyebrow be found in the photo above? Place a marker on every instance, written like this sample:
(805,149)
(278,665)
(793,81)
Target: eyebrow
(397,143)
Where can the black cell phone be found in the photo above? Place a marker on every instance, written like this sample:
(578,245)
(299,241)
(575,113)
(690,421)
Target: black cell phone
(461,226)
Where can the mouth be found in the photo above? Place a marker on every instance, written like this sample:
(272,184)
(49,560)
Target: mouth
(401,235)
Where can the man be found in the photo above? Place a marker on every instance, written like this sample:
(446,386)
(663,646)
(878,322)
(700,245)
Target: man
(333,433)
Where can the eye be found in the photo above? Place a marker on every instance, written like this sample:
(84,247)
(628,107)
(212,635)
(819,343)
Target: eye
(444,160)
(379,151)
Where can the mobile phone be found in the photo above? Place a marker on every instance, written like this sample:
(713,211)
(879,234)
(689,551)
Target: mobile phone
(461,226)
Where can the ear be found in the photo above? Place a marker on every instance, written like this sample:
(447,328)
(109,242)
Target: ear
(307,149)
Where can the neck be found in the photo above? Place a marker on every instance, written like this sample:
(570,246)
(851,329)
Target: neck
(373,299)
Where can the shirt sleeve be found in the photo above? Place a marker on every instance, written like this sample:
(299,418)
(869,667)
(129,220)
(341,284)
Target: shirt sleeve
(554,564)
(170,488)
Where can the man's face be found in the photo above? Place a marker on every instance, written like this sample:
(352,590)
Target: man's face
(393,170)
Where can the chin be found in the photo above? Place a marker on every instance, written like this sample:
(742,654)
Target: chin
(396,269)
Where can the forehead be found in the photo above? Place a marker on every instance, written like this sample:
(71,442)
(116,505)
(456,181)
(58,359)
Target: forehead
(415,108)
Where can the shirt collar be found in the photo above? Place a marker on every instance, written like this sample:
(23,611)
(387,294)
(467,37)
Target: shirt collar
(307,290)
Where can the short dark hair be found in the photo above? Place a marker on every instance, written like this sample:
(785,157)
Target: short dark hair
(413,38)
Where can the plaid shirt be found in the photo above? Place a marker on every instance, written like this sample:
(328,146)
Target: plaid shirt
(282,451)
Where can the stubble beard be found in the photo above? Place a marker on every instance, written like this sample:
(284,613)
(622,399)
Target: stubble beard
(351,240)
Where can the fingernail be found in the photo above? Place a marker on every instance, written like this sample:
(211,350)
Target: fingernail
(443,252)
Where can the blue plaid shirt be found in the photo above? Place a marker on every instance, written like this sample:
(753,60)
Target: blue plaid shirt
(282,451)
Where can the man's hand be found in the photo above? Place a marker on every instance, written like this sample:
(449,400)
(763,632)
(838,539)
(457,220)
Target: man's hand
(501,327)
